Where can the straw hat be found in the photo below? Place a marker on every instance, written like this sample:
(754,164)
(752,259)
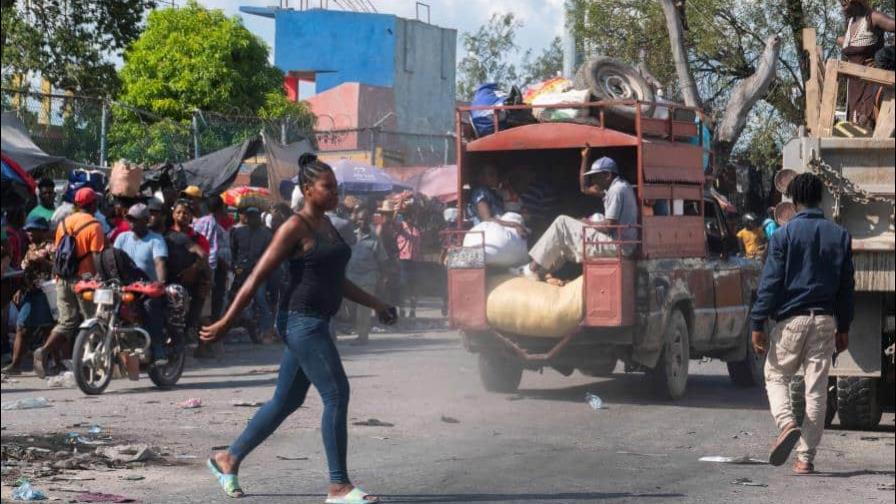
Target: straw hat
(387,206)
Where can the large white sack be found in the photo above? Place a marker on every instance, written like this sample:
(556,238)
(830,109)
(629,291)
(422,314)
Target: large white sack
(504,247)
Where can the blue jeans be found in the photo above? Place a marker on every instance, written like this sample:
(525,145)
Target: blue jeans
(310,358)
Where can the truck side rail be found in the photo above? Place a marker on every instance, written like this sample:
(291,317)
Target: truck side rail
(668,128)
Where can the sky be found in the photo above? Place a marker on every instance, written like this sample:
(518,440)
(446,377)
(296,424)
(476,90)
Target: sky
(542,19)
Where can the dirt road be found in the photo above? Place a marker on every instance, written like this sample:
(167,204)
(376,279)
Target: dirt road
(450,441)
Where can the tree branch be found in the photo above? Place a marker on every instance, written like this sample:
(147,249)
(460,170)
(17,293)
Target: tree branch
(744,97)
(679,54)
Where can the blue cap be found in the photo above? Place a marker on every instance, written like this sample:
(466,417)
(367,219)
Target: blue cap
(36,223)
(603,165)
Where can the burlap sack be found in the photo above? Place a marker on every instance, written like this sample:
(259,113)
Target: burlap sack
(521,306)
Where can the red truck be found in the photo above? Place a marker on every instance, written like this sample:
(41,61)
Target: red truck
(683,294)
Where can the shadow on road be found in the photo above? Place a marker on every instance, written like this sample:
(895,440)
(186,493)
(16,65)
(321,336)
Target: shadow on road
(505,497)
(704,391)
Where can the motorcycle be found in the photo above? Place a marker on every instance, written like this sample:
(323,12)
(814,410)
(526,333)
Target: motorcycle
(114,336)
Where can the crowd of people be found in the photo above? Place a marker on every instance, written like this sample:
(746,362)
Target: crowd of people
(194,240)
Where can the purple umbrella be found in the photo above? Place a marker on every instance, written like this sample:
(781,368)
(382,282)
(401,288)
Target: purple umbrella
(357,177)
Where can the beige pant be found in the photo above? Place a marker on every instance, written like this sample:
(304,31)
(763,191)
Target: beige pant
(801,342)
(563,242)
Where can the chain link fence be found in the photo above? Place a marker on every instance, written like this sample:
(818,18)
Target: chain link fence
(97,132)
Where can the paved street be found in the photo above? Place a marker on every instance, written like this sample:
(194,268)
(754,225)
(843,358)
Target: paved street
(544,445)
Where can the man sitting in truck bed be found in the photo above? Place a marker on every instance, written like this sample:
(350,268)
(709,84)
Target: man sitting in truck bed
(563,240)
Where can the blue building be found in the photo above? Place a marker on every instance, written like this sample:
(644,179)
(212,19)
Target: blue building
(414,59)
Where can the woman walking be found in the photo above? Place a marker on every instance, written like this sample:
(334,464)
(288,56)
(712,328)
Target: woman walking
(317,261)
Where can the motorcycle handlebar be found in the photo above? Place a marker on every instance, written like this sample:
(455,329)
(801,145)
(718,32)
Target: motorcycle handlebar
(153,290)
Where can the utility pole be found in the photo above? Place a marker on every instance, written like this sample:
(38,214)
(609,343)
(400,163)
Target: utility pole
(195,135)
(103,127)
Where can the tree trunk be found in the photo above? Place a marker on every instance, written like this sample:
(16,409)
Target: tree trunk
(743,98)
(680,55)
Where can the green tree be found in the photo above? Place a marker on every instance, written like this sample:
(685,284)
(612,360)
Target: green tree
(193,59)
(724,41)
(71,44)
(545,65)
(488,50)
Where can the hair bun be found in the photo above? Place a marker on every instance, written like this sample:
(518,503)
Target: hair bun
(307,159)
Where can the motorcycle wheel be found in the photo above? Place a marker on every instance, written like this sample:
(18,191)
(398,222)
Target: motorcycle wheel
(92,360)
(167,376)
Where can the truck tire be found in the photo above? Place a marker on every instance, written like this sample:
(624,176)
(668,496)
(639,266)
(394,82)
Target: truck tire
(857,402)
(798,400)
(748,372)
(611,79)
(499,373)
(670,376)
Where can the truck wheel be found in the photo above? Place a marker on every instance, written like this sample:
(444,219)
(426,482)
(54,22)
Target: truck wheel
(499,373)
(749,372)
(798,400)
(670,377)
(857,402)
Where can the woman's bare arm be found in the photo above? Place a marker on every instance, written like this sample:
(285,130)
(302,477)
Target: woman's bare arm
(354,293)
(883,21)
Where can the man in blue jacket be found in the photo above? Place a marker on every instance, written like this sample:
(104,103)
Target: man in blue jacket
(807,288)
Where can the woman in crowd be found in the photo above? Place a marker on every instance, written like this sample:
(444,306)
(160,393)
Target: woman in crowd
(317,258)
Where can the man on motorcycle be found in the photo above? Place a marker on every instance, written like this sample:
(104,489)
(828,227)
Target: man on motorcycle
(149,252)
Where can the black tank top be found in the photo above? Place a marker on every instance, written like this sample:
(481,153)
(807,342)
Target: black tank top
(315,279)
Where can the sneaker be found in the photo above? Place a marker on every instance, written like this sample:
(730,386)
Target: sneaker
(787,439)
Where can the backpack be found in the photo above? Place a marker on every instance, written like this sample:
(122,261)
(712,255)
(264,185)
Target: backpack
(66,261)
(116,264)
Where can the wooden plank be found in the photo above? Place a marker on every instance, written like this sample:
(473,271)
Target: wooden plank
(885,77)
(886,120)
(828,100)
(813,93)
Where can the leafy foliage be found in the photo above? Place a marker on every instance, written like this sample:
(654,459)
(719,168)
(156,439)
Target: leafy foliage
(71,44)
(724,41)
(487,53)
(193,59)
(545,65)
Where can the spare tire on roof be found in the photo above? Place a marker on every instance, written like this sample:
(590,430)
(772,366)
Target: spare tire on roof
(610,79)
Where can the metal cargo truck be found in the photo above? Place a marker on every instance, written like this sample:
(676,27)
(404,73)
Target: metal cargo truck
(860,175)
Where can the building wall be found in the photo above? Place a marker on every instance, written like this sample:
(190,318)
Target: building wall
(425,61)
(353,106)
(340,46)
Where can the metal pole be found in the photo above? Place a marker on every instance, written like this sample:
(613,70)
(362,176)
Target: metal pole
(103,128)
(195,136)
(283,131)
(445,154)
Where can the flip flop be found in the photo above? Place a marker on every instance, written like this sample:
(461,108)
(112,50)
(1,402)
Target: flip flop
(356,496)
(229,482)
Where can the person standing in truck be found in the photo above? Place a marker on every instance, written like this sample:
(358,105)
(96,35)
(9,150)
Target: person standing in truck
(807,287)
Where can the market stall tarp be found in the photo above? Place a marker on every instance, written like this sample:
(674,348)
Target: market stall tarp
(17,184)
(18,146)
(283,165)
(214,172)
(439,182)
